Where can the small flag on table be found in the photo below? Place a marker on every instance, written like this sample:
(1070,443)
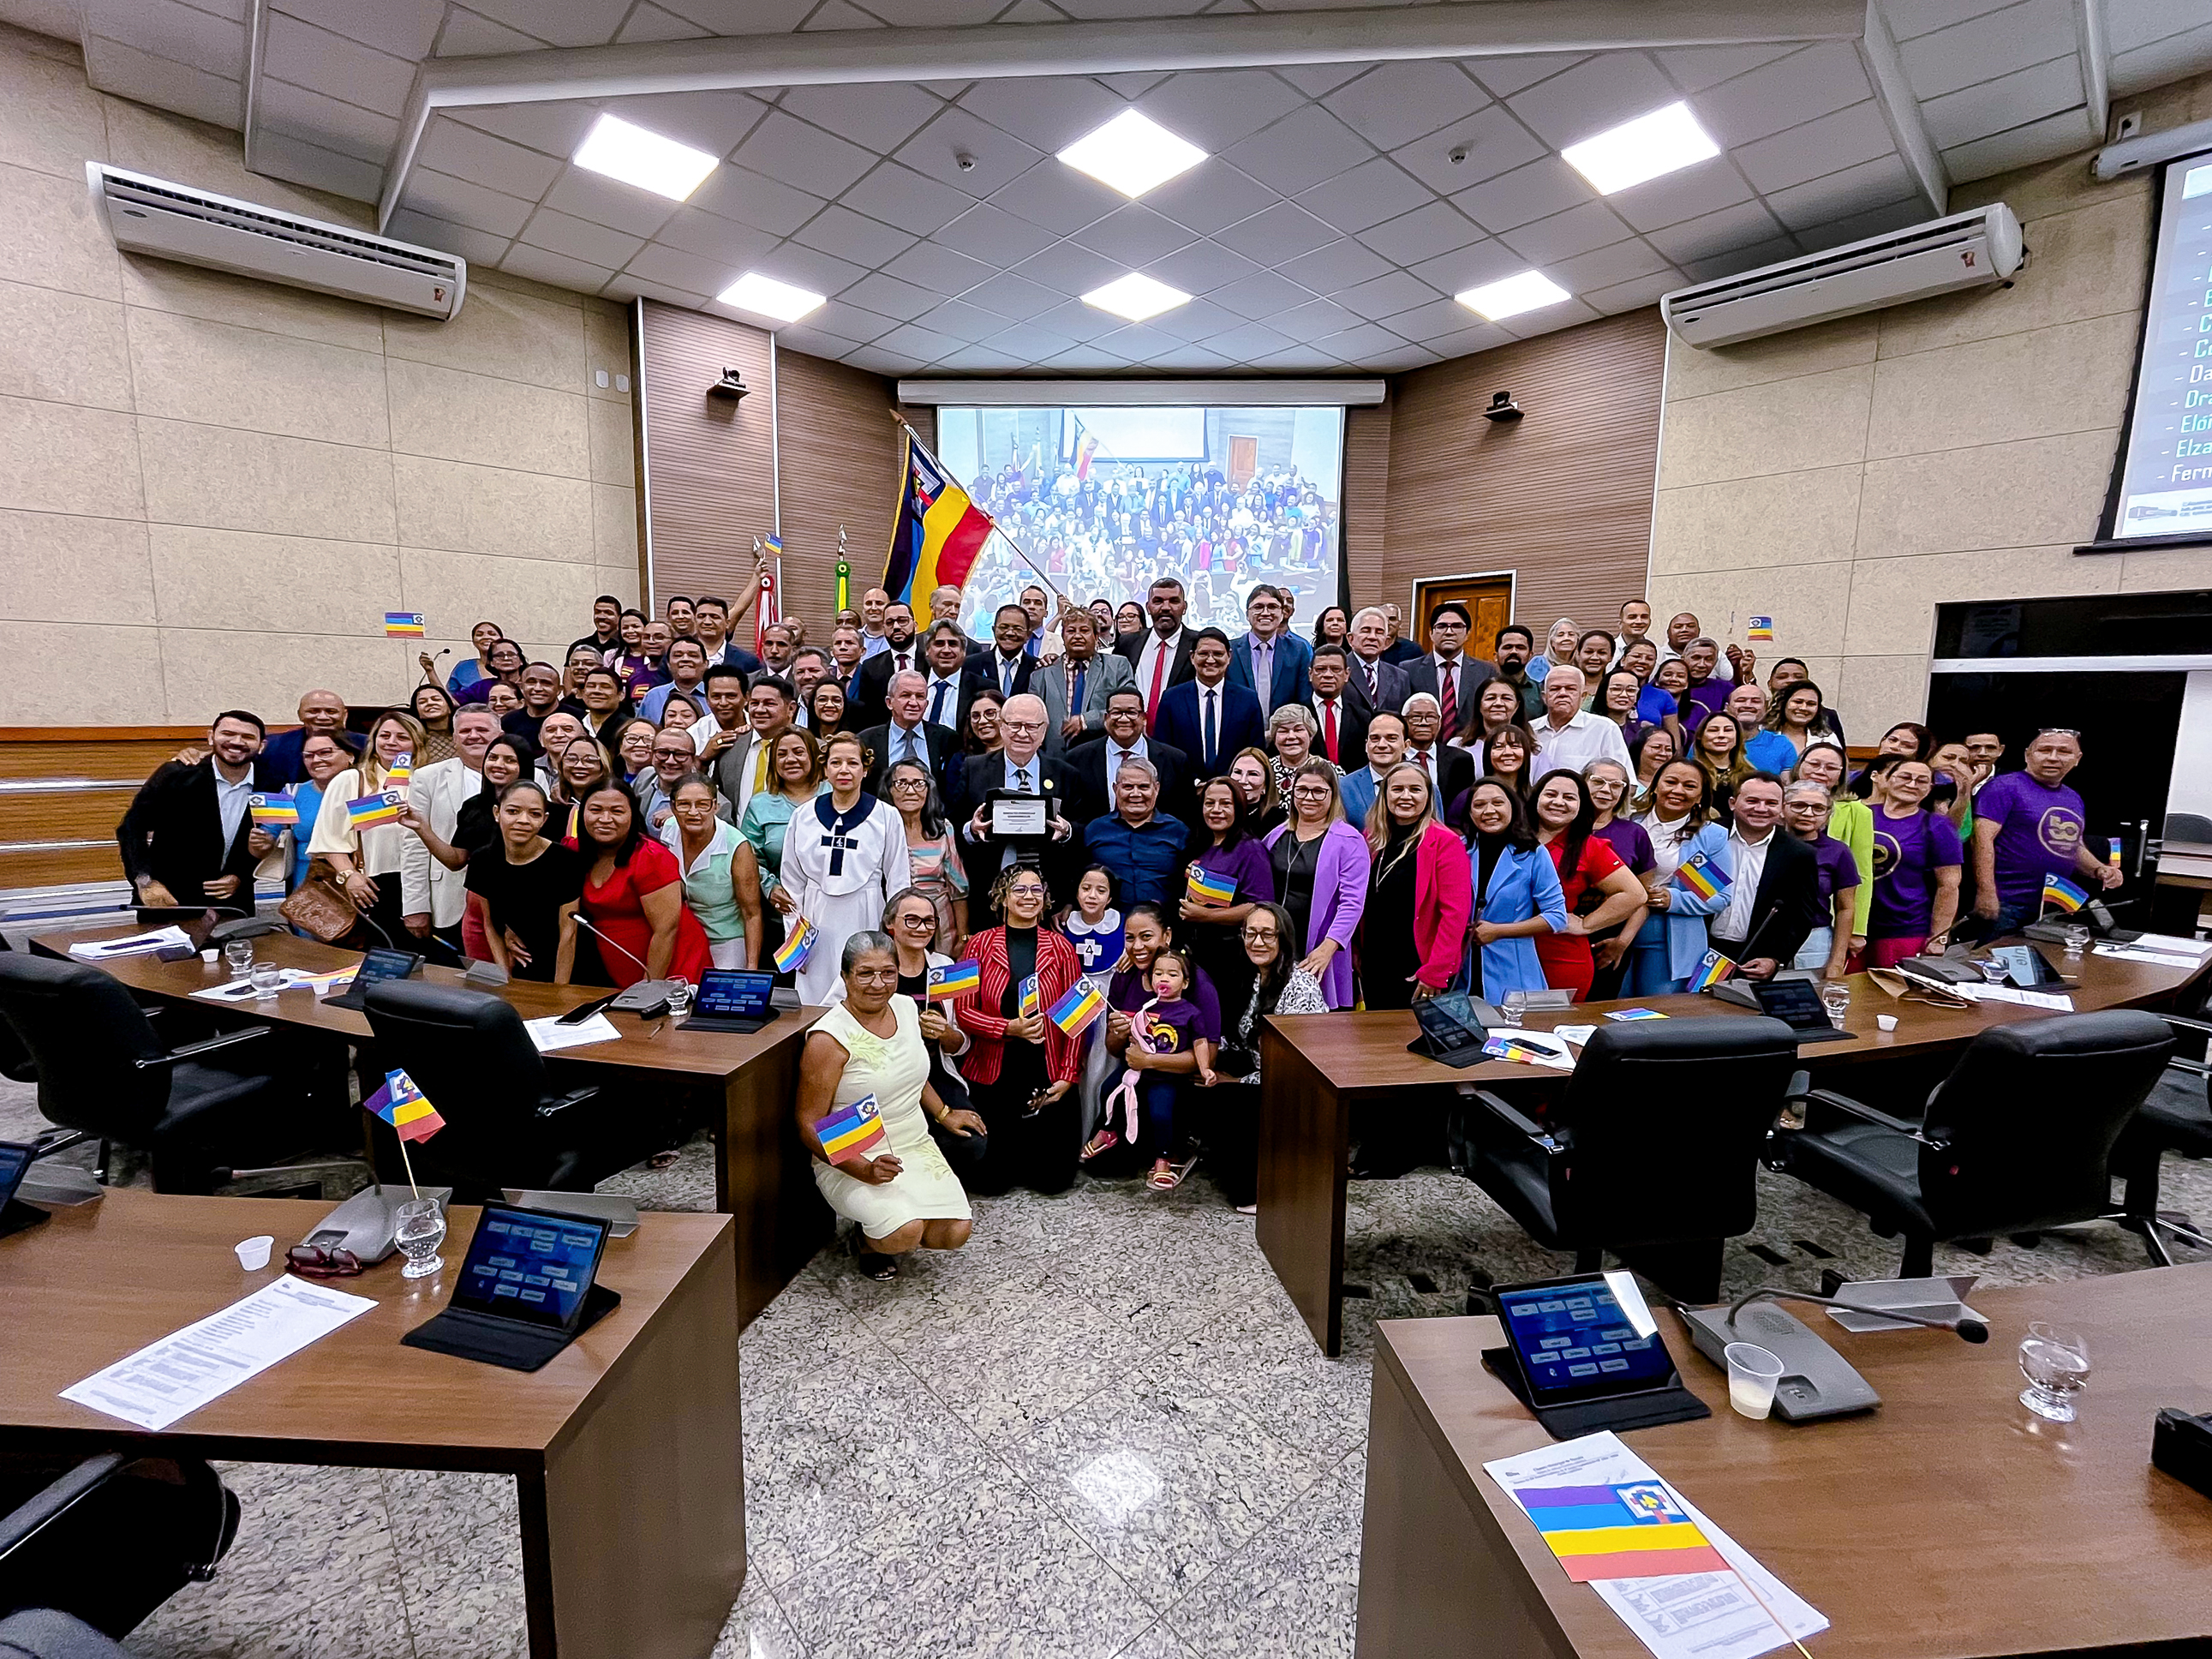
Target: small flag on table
(401,1103)
(1212,887)
(851,1131)
(402,624)
(798,946)
(1760,630)
(371,810)
(1636,1013)
(402,771)
(1073,1012)
(1712,969)
(277,808)
(958,979)
(2062,893)
(1030,1003)
(1701,876)
(1639,1530)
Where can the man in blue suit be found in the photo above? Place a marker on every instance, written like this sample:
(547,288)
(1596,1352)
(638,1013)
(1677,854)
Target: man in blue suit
(1270,662)
(1206,717)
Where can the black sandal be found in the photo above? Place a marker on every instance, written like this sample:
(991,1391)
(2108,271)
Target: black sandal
(874,1265)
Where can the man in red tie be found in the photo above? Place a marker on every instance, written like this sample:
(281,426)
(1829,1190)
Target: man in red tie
(1342,718)
(1161,655)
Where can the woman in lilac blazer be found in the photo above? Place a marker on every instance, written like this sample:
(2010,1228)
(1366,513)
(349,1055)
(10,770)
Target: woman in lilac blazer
(1320,868)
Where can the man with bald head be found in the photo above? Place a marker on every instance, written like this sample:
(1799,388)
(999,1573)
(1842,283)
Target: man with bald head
(322,714)
(907,735)
(1021,768)
(1568,738)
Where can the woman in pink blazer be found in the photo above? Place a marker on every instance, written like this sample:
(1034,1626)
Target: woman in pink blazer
(1419,894)
(1321,866)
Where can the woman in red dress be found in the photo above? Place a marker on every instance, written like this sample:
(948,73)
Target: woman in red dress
(634,895)
(1600,891)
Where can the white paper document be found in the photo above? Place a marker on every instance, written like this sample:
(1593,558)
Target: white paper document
(2155,959)
(1695,1615)
(549,1033)
(2197,949)
(2060,1000)
(136,945)
(180,1374)
(1577,1035)
(241,990)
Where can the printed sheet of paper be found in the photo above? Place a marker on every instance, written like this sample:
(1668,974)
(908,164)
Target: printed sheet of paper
(1693,1616)
(2155,958)
(241,990)
(138,944)
(180,1374)
(549,1034)
(2196,949)
(2060,1001)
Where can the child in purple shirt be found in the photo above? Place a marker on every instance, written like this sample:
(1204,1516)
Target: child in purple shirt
(1168,1050)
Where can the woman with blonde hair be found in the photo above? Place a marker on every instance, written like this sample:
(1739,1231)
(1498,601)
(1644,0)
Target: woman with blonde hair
(365,860)
(1419,894)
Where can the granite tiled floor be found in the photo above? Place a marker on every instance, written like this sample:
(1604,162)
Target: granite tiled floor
(1100,1431)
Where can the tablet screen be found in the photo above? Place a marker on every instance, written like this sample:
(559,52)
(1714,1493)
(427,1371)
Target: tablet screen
(1449,1021)
(532,1267)
(734,993)
(1575,1341)
(1795,1002)
(14,1158)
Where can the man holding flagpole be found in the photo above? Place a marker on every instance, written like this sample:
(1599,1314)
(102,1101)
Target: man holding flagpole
(2029,825)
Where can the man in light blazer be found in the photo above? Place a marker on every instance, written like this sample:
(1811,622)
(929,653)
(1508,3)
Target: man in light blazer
(1080,666)
(433,897)
(1286,656)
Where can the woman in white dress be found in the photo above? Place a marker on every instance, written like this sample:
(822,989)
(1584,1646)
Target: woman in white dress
(843,852)
(902,1193)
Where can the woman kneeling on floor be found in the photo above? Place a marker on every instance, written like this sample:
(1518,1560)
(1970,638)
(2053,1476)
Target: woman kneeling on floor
(863,1088)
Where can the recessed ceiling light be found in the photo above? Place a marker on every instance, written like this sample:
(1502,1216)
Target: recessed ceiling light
(1529,291)
(1663,141)
(1132,153)
(629,153)
(1136,296)
(769,298)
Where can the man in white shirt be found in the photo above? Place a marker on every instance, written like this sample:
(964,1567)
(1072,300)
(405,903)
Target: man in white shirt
(1680,631)
(1568,738)
(433,897)
(1635,624)
(1774,892)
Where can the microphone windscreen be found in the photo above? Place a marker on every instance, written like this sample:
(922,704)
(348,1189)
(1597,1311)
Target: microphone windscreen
(1973,1330)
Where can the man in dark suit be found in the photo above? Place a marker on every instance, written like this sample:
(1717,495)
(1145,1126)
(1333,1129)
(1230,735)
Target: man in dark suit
(189,838)
(871,685)
(1761,930)
(1161,655)
(1091,765)
(1019,768)
(1206,717)
(1376,682)
(1337,714)
(1006,666)
(1285,655)
(1450,769)
(948,685)
(907,736)
(1448,673)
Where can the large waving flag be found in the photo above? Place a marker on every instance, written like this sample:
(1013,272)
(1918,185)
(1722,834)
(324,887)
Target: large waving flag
(940,534)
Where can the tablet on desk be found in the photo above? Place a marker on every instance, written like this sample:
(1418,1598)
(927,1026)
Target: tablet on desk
(375,965)
(1588,1337)
(732,999)
(1452,1028)
(525,1289)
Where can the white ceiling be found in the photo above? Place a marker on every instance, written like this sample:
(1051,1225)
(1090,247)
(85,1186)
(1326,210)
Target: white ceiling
(1329,230)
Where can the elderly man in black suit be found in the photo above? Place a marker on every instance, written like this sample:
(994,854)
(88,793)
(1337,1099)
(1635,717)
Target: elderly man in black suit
(189,836)
(1376,682)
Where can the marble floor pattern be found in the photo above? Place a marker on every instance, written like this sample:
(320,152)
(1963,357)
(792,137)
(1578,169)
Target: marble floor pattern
(1099,1432)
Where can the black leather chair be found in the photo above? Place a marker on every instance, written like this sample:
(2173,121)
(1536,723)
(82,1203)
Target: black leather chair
(2017,1138)
(198,1111)
(2176,1117)
(507,1123)
(1653,1153)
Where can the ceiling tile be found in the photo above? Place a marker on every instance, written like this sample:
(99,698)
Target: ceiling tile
(1479,337)
(1394,103)
(996,238)
(1607,267)
(1706,187)
(553,129)
(467,153)
(812,268)
(851,322)
(1817,149)
(605,202)
(1200,320)
(1012,296)
(937,267)
(578,239)
(1086,360)
(310,56)
(1997,43)
(715,122)
(961,321)
(2169,58)
(1405,358)
(1058,197)
(1430,321)
(1712,235)
(404,28)
(1548,320)
(1210,197)
(754,198)
(1283,232)
(878,116)
(1397,291)
(626,285)
(1998,106)
(810,340)
(1695,68)
(971,360)
(1300,150)
(805,157)
(2133,24)
(723,241)
(1634,295)
(1133,236)
(1594,97)
(1076,321)
(1200,267)
(1470,267)
(1313,319)
(888,296)
(1366,195)
(1535,191)
(901,196)
(1027,342)
(658,263)
(910,339)
(346,128)
(999,158)
(2026,146)
(570,23)
(935,14)
(1909,19)
(299,162)
(1261,294)
(1360,343)
(443,197)
(1047,112)
(1215,108)
(1338,264)
(747,17)
(1298,359)
(1493,140)
(1133,85)
(1423,233)
(557,269)
(468,35)
(877,361)
(854,236)
(409,226)
(1736,261)
(1315,80)
(1824,77)
(1068,268)
(1853,189)
(1251,341)
(649,23)
(1504,76)
(1194,360)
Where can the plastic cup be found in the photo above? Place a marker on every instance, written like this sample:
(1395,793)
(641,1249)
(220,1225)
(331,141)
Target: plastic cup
(1885,1022)
(211,955)
(253,1253)
(1754,1375)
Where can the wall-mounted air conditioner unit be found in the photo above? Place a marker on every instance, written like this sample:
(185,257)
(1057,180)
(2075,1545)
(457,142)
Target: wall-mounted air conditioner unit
(146,214)
(1965,250)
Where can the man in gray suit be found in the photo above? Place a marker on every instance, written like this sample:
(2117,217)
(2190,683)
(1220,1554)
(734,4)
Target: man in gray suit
(1075,689)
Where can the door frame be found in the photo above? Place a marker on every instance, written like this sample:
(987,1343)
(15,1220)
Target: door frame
(1413,597)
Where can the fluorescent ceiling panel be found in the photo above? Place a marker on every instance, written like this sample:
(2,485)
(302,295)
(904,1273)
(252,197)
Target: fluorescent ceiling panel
(767,297)
(1132,153)
(620,150)
(1136,297)
(1530,291)
(1666,141)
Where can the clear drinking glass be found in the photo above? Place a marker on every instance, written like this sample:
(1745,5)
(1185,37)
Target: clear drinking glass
(1993,971)
(1753,1375)
(679,997)
(421,1229)
(2077,941)
(1836,998)
(268,979)
(2056,1363)
(1514,1007)
(238,953)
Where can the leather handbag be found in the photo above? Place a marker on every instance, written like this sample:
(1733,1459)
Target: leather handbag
(318,908)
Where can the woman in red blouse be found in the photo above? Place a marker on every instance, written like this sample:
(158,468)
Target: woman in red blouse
(634,895)
(1600,889)
(1020,1066)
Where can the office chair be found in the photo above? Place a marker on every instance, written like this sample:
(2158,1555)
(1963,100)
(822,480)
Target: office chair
(507,1123)
(88,1557)
(102,1070)
(1654,1154)
(2176,1116)
(2017,1138)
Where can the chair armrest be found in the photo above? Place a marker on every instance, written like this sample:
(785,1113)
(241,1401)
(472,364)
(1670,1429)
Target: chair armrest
(194,1050)
(2183,1023)
(1549,1139)
(557,1103)
(1867,1114)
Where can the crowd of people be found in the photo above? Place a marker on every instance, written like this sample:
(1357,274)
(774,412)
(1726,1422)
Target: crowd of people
(1276,823)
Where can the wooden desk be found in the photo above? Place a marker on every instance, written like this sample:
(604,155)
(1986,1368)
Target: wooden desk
(1948,1523)
(760,1168)
(1319,1066)
(625,1449)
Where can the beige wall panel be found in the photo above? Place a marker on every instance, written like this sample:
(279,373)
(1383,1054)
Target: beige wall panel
(206,669)
(250,582)
(489,509)
(1893,600)
(2027,494)
(1699,372)
(1805,517)
(2069,379)
(65,460)
(1778,426)
(165,285)
(63,348)
(462,416)
(57,566)
(54,239)
(499,332)
(189,369)
(210,475)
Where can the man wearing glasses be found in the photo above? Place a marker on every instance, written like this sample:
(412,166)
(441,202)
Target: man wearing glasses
(1019,769)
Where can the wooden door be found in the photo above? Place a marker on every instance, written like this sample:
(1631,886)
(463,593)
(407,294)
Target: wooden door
(1243,460)
(1489,600)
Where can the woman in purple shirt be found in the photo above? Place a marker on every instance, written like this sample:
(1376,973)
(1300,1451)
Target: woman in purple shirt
(1916,869)
(1606,783)
(1806,806)
(1214,932)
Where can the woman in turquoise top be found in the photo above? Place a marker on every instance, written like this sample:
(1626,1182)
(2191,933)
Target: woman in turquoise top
(794,778)
(721,879)
(323,758)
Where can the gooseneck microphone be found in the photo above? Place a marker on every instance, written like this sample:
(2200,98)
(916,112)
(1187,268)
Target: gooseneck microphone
(1969,1329)
(600,934)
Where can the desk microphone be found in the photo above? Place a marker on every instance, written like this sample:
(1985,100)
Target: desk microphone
(588,929)
(1969,1329)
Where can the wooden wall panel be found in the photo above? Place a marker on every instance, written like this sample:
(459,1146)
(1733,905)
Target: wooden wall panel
(73,785)
(1366,501)
(1563,497)
(709,481)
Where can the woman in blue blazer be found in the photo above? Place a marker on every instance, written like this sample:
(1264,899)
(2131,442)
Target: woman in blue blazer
(1520,896)
(1681,825)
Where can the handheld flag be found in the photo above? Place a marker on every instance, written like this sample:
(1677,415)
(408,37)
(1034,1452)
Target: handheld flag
(1030,999)
(402,624)
(1211,887)
(938,533)
(401,1103)
(851,1131)
(1636,1530)
(771,609)
(1759,630)
(1073,1012)
(798,946)
(1712,969)
(401,771)
(277,808)
(371,810)
(960,979)
(2064,894)
(1701,876)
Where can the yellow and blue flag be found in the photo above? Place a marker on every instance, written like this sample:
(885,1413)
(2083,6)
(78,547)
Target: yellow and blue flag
(850,1130)
(1030,1002)
(1760,630)
(1704,878)
(2064,894)
(958,979)
(798,946)
(401,1103)
(402,624)
(1073,1012)
(1712,969)
(402,771)
(1212,887)
(371,810)
(276,808)
(938,533)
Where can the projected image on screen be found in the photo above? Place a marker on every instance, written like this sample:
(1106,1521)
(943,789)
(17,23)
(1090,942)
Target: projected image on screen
(2165,487)
(1106,500)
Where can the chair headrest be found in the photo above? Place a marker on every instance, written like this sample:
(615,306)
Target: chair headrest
(2111,1031)
(441,1005)
(1722,1036)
